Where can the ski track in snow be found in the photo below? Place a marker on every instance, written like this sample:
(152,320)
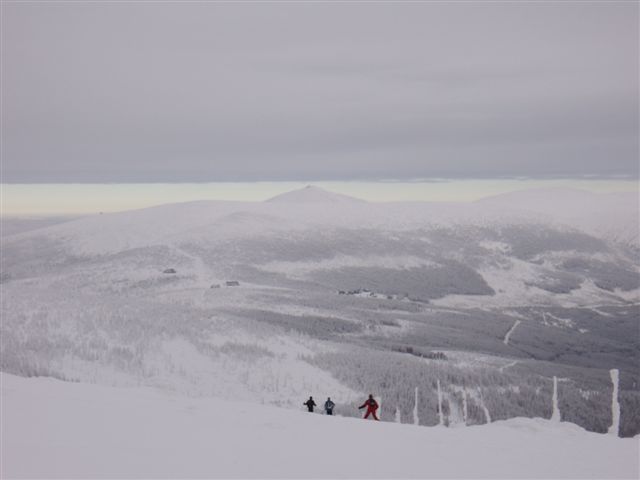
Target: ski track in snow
(511,330)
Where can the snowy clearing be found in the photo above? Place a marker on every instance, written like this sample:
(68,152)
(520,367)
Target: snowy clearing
(55,429)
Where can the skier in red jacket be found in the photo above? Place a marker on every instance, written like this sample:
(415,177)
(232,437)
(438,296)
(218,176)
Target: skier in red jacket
(371,405)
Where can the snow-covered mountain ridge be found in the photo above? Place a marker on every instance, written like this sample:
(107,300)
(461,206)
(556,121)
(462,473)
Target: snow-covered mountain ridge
(611,216)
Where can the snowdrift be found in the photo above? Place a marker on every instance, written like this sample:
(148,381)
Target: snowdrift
(55,429)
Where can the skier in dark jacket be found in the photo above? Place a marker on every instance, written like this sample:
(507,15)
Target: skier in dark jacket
(371,405)
(310,404)
(328,406)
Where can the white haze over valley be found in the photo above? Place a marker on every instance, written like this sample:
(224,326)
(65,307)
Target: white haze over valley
(172,334)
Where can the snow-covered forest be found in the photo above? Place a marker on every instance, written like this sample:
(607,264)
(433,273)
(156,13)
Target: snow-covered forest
(247,301)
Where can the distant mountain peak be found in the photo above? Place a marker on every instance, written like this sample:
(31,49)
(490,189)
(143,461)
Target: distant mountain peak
(313,194)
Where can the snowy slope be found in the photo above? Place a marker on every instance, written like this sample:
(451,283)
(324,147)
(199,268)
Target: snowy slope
(12,225)
(55,429)
(612,216)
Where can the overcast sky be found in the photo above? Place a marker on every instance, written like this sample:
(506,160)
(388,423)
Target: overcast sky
(181,92)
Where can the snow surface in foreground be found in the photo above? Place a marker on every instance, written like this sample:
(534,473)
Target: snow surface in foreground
(56,429)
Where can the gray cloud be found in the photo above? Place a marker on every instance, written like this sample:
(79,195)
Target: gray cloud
(130,92)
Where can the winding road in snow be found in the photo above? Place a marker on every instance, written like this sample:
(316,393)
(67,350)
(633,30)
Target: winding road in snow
(511,330)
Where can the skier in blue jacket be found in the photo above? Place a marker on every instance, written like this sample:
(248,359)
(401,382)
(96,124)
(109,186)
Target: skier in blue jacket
(328,406)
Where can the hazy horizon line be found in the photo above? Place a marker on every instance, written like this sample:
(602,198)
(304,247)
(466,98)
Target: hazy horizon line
(60,199)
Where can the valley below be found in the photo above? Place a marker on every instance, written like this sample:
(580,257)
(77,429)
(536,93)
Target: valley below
(451,314)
